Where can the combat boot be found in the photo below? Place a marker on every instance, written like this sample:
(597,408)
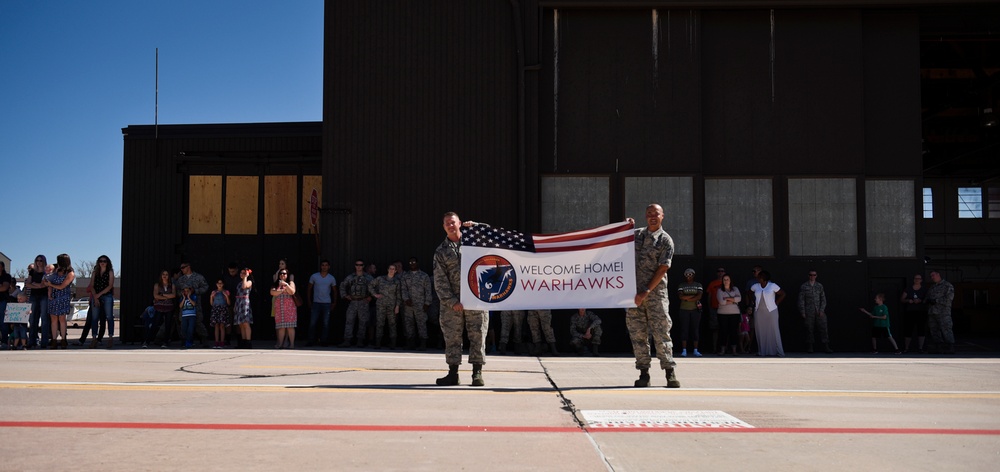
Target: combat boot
(378,343)
(503,349)
(672,381)
(477,375)
(535,348)
(643,380)
(347,342)
(594,349)
(423,345)
(949,348)
(826,348)
(392,343)
(809,348)
(411,343)
(553,350)
(451,378)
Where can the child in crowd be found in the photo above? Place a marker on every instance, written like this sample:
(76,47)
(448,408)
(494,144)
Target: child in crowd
(220,313)
(880,326)
(189,313)
(744,332)
(18,331)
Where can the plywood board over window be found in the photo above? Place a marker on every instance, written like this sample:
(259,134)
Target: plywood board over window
(204,204)
(241,204)
(280,215)
(309,183)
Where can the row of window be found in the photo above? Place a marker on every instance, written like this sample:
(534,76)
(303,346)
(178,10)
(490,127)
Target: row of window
(970,202)
(740,217)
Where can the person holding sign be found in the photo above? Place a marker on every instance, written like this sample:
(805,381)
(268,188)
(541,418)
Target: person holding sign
(16,313)
(454,317)
(654,251)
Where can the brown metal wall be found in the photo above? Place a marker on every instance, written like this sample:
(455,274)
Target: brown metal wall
(420,114)
(154,203)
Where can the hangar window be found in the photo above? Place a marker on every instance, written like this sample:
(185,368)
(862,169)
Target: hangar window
(739,218)
(675,195)
(890,218)
(928,203)
(574,202)
(822,217)
(970,202)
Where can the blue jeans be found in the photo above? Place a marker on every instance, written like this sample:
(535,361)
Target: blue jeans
(320,311)
(151,321)
(39,312)
(187,327)
(106,310)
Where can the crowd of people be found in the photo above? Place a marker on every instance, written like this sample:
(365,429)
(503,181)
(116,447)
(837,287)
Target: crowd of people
(742,321)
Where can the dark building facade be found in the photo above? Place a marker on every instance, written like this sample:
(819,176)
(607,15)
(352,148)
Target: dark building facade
(792,134)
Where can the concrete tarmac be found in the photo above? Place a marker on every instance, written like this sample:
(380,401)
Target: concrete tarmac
(335,409)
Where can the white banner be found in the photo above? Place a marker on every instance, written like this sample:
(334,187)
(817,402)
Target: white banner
(507,270)
(17,313)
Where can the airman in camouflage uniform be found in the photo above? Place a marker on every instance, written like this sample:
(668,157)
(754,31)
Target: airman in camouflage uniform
(447,284)
(388,294)
(540,322)
(582,323)
(510,319)
(417,300)
(812,307)
(939,323)
(355,289)
(654,251)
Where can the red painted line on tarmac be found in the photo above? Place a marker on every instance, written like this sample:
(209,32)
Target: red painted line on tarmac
(481,429)
(287,427)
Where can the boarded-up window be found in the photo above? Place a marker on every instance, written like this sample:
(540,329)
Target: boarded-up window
(241,204)
(280,205)
(739,218)
(822,217)
(310,183)
(890,215)
(675,195)
(204,204)
(573,203)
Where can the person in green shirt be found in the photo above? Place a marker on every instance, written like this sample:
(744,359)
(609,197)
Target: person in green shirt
(880,325)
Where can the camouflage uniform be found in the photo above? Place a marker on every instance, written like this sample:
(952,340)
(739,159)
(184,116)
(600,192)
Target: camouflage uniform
(543,318)
(511,319)
(416,290)
(355,289)
(447,284)
(578,327)
(939,323)
(652,317)
(385,307)
(812,304)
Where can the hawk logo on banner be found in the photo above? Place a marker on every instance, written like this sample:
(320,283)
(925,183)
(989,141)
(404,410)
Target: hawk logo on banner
(509,270)
(492,279)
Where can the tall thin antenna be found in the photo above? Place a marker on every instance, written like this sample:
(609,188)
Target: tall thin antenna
(156,105)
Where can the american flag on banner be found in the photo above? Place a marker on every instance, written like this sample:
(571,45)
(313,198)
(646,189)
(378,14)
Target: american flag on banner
(510,270)
(489,237)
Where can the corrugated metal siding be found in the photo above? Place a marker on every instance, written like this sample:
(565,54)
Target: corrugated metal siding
(420,118)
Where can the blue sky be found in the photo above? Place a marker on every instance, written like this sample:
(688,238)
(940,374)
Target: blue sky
(73,74)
